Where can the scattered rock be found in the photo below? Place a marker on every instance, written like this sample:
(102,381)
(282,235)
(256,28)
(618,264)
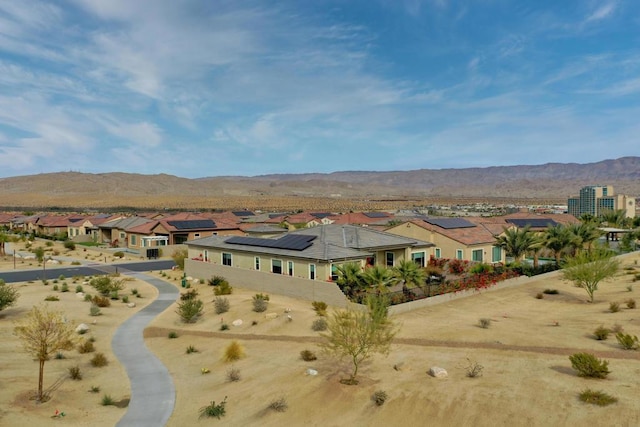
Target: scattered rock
(312,372)
(195,281)
(53,261)
(82,328)
(271,315)
(287,310)
(80,295)
(438,372)
(131,304)
(398,366)
(188,278)
(237,322)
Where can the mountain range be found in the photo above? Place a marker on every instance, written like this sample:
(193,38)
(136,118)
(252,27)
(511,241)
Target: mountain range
(550,182)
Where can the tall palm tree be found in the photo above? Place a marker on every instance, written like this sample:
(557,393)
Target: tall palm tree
(379,277)
(614,218)
(584,235)
(349,277)
(517,242)
(557,239)
(410,273)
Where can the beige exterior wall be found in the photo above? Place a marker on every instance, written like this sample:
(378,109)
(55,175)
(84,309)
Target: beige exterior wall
(448,247)
(311,290)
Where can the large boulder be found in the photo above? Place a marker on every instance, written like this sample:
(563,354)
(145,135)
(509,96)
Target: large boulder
(438,372)
(82,328)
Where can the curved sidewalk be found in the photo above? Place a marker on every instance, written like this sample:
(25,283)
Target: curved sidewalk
(153,394)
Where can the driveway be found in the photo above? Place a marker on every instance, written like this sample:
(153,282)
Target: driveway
(153,394)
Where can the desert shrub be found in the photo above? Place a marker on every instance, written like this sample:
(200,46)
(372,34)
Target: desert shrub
(64,287)
(601,333)
(279,405)
(94,310)
(631,303)
(190,310)
(551,291)
(320,307)
(178,256)
(88,298)
(134,291)
(473,369)
(379,397)
(190,294)
(221,305)
(627,341)
(76,263)
(217,281)
(233,352)
(56,288)
(599,398)
(614,307)
(260,303)
(233,375)
(51,298)
(539,295)
(223,289)
(617,328)
(59,355)
(484,323)
(629,288)
(79,288)
(74,373)
(118,254)
(48,243)
(94,389)
(319,325)
(99,360)
(101,301)
(191,349)
(308,355)
(214,410)
(587,365)
(172,335)
(107,400)
(107,285)
(8,295)
(86,347)
(125,299)
(224,327)
(68,244)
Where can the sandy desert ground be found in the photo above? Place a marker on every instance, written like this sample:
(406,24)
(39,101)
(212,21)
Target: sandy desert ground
(527,378)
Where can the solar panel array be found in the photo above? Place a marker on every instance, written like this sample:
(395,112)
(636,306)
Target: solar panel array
(321,214)
(242,213)
(376,214)
(450,223)
(294,242)
(532,222)
(192,224)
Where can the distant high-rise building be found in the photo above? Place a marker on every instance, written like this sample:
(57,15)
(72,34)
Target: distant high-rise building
(598,199)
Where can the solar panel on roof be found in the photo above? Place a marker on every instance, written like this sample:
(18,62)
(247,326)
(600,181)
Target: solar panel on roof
(294,242)
(375,214)
(192,224)
(450,223)
(243,213)
(532,222)
(321,214)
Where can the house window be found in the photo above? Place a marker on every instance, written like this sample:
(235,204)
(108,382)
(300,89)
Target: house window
(290,268)
(196,235)
(276,266)
(334,272)
(312,271)
(257,263)
(389,258)
(418,258)
(133,240)
(476,255)
(371,261)
(438,253)
(122,235)
(226,259)
(496,254)
(459,254)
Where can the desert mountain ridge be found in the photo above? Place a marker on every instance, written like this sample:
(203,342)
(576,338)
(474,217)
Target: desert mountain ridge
(553,182)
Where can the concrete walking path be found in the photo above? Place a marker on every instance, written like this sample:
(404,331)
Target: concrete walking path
(152,391)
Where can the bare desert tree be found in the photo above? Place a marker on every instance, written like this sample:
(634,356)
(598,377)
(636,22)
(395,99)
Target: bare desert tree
(587,269)
(43,333)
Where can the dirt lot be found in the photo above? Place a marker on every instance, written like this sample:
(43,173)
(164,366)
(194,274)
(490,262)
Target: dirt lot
(527,377)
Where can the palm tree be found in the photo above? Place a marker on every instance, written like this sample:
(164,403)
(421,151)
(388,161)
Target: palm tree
(557,239)
(410,273)
(379,277)
(4,238)
(585,234)
(517,242)
(349,277)
(614,218)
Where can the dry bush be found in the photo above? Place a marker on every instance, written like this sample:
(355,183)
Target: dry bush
(233,352)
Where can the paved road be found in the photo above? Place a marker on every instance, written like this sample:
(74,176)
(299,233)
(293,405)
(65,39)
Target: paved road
(86,270)
(152,391)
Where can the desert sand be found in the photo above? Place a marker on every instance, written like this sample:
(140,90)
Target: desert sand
(527,377)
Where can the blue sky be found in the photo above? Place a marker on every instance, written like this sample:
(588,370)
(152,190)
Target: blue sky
(209,88)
